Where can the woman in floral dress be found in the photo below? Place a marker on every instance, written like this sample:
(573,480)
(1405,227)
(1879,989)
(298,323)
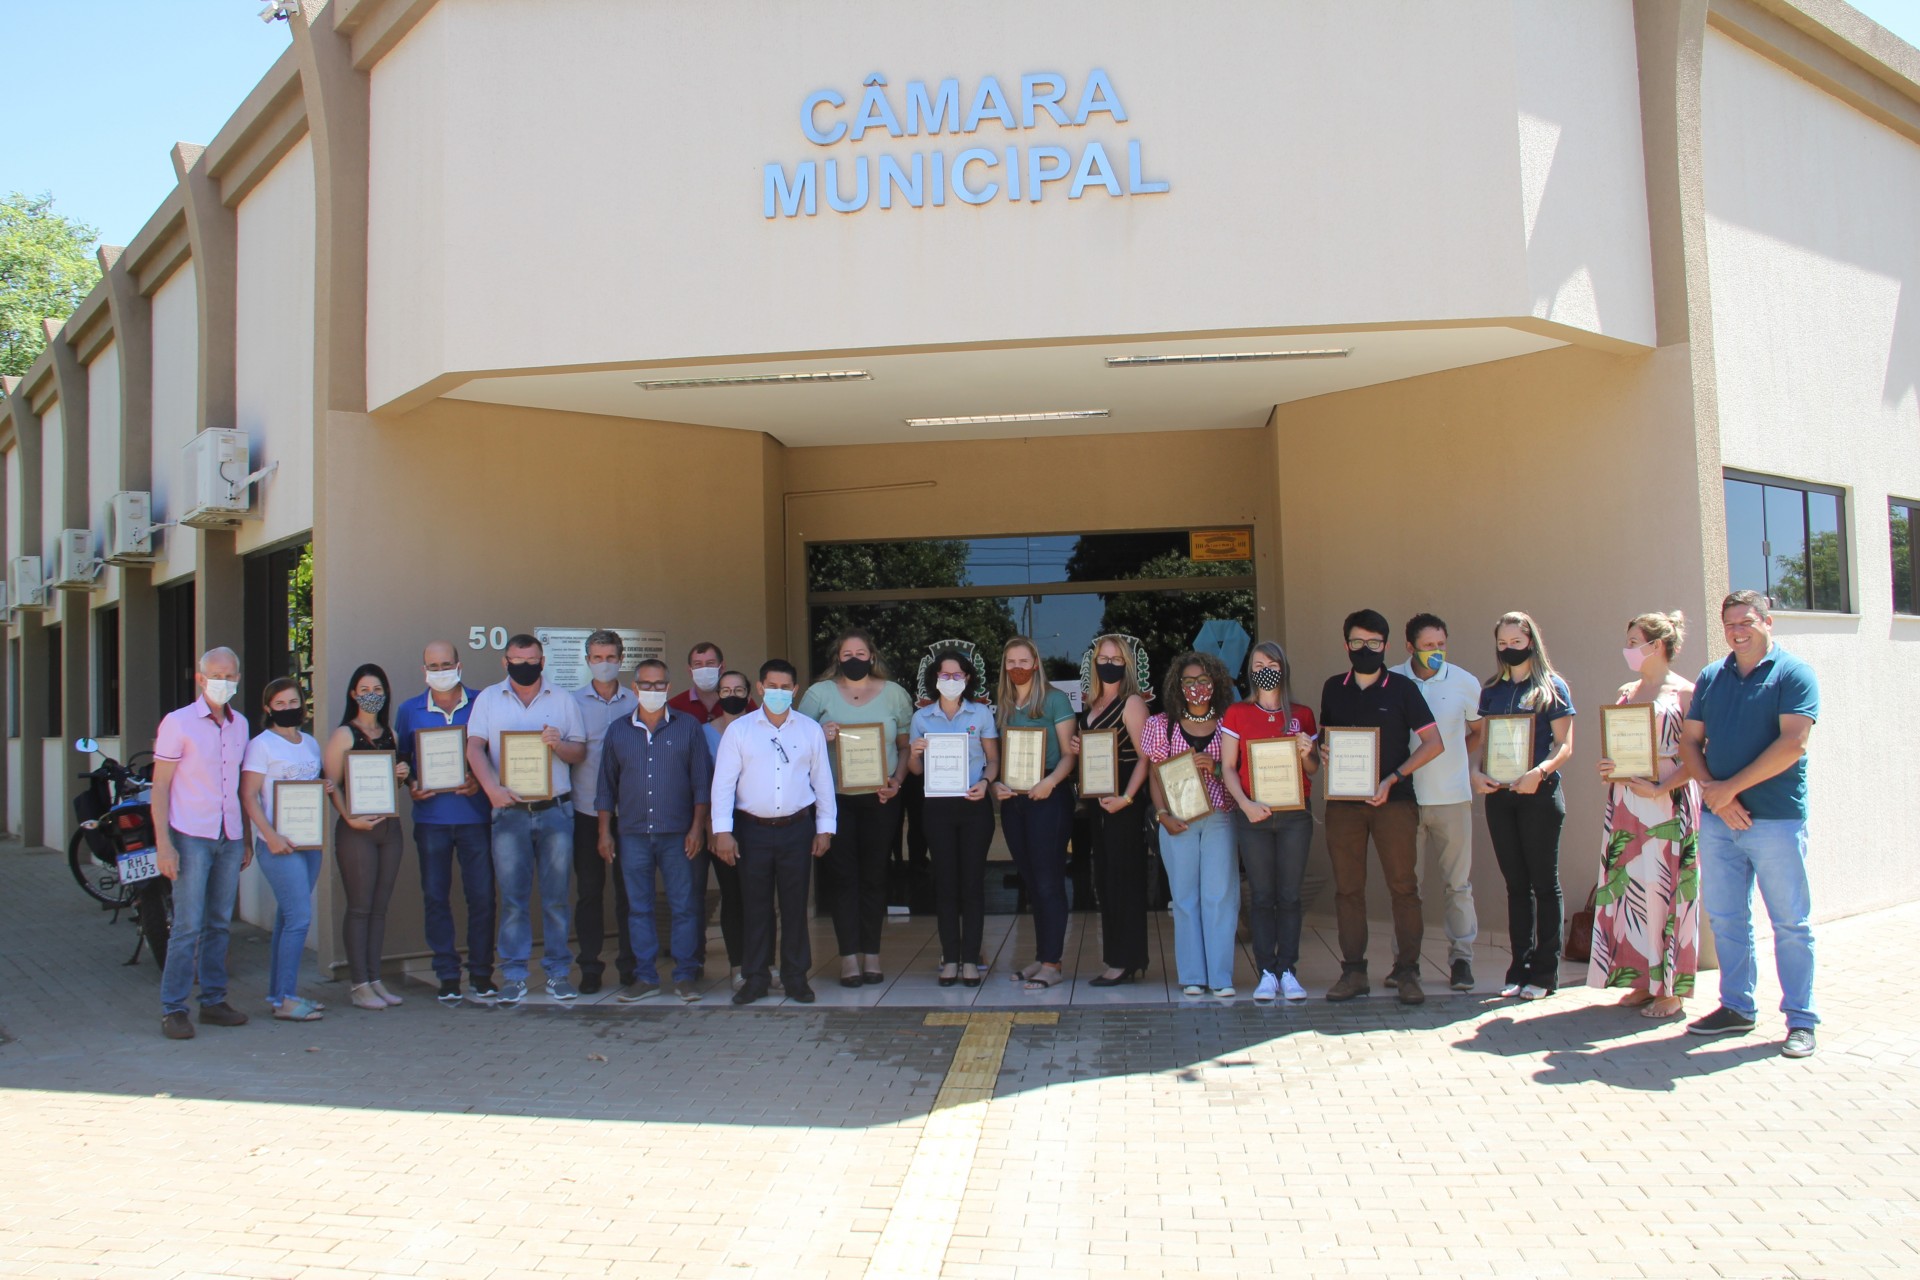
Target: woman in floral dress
(1646,927)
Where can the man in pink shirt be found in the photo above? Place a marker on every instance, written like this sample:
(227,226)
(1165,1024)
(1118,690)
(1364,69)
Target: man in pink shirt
(203,842)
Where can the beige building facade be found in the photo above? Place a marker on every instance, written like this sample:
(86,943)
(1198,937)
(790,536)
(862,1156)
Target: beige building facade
(1546,291)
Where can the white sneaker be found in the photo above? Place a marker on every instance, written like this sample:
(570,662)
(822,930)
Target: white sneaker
(1269,988)
(1290,987)
(1531,992)
(1193,991)
(1509,991)
(1224,993)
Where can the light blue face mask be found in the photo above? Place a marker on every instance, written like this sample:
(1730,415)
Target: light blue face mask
(777,701)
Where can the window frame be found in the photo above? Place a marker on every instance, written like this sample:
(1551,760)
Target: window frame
(1912,506)
(106,671)
(1847,605)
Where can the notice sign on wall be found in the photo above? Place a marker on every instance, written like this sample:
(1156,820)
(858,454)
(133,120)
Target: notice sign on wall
(1219,544)
(567,652)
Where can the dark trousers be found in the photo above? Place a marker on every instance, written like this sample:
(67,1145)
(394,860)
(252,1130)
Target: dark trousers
(1274,856)
(1526,843)
(1120,854)
(1393,827)
(590,877)
(728,880)
(440,845)
(774,865)
(856,871)
(959,832)
(1037,832)
(369,869)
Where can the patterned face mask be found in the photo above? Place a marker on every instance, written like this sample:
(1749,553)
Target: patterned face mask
(1267,678)
(371,702)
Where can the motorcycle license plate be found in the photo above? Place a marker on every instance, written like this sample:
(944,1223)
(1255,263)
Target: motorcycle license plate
(135,867)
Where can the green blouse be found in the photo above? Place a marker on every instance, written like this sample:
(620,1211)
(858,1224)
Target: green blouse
(1053,710)
(893,708)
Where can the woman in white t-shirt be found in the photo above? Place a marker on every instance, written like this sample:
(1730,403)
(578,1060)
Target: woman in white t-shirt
(282,753)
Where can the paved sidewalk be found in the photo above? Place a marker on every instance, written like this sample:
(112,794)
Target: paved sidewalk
(1470,1136)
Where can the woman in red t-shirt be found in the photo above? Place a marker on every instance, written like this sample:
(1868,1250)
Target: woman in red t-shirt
(1273,842)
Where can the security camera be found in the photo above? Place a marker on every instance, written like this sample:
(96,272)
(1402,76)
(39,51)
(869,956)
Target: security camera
(277,10)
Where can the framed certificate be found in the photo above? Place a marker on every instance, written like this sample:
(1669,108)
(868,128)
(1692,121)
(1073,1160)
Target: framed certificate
(1509,747)
(440,758)
(946,765)
(1099,763)
(860,752)
(1278,780)
(1627,739)
(1023,758)
(526,764)
(1353,762)
(1180,783)
(370,785)
(300,812)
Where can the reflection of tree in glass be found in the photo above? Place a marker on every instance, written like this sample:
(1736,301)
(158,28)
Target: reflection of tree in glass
(902,629)
(1903,597)
(1821,565)
(1166,622)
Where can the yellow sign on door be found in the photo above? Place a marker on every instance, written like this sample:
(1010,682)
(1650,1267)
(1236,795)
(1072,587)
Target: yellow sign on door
(1220,544)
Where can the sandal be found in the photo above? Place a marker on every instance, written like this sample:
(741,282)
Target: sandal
(294,1009)
(1040,981)
(1026,974)
(1660,1008)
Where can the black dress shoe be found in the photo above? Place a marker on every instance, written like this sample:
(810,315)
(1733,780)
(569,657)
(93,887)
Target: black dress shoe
(589,984)
(750,992)
(801,993)
(854,981)
(1102,980)
(873,979)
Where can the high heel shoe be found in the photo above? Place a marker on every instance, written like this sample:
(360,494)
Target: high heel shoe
(969,975)
(850,972)
(1121,979)
(950,974)
(380,989)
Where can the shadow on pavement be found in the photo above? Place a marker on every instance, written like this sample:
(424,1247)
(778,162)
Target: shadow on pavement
(1576,1046)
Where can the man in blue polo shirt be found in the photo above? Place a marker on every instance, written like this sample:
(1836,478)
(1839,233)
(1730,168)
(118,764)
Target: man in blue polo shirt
(1746,741)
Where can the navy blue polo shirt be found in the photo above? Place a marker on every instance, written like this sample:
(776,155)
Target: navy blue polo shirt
(1508,698)
(652,779)
(1742,719)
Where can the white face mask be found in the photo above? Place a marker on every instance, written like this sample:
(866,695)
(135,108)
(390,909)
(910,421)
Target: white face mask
(651,700)
(220,692)
(604,671)
(441,681)
(952,686)
(706,678)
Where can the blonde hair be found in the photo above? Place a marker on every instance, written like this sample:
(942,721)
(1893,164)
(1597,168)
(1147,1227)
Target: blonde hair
(1007,697)
(1129,659)
(1540,692)
(873,654)
(1668,629)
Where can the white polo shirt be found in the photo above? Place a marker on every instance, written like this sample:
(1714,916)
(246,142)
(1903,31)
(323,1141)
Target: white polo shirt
(497,710)
(1454,698)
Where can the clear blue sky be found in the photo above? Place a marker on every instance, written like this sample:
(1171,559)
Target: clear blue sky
(157,72)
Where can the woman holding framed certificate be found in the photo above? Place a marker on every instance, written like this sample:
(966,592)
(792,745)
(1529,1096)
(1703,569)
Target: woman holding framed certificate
(1646,925)
(280,781)
(366,835)
(1112,774)
(1524,816)
(869,764)
(1196,840)
(1267,762)
(956,751)
(1036,800)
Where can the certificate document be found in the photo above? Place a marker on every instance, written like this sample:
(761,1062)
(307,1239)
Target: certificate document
(370,786)
(1278,780)
(1509,747)
(526,764)
(861,752)
(947,765)
(1180,782)
(1099,763)
(440,758)
(300,813)
(1627,739)
(1023,758)
(1353,763)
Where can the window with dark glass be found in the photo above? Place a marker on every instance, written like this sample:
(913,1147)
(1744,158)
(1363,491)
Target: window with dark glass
(53,683)
(106,672)
(13,687)
(174,649)
(1906,567)
(1785,540)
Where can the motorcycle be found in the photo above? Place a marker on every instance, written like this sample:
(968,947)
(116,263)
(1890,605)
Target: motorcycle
(114,855)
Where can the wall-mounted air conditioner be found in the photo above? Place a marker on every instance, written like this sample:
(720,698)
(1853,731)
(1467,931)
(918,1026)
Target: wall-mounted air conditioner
(26,587)
(129,535)
(75,567)
(219,487)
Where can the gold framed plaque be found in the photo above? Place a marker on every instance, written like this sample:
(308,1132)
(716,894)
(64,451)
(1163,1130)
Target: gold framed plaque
(370,785)
(1628,738)
(300,812)
(860,757)
(1353,762)
(526,764)
(1279,782)
(1509,747)
(1023,759)
(440,758)
(1181,784)
(946,763)
(1099,763)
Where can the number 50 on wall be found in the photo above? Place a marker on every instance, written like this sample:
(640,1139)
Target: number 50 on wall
(486,637)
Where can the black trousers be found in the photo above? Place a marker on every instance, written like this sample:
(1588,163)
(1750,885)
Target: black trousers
(1120,878)
(856,870)
(959,832)
(1526,842)
(728,880)
(775,863)
(589,906)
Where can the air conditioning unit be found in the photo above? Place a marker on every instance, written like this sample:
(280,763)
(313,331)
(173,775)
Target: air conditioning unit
(218,484)
(75,566)
(26,587)
(129,536)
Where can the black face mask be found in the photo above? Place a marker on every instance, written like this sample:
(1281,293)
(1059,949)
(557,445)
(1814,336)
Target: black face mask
(1268,678)
(733,704)
(290,717)
(1514,657)
(855,668)
(524,674)
(1111,672)
(1366,661)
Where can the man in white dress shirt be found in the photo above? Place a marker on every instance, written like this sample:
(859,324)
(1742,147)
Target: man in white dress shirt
(773,813)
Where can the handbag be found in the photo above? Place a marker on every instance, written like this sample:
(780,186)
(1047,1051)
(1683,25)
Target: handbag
(1580,930)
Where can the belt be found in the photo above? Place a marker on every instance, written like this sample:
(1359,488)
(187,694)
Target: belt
(541,806)
(754,819)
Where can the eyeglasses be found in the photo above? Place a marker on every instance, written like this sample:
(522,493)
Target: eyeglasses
(1355,646)
(1196,684)
(654,686)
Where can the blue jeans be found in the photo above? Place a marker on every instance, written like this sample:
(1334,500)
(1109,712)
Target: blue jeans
(439,845)
(291,876)
(203,895)
(529,846)
(639,855)
(1205,886)
(1772,853)
(1037,832)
